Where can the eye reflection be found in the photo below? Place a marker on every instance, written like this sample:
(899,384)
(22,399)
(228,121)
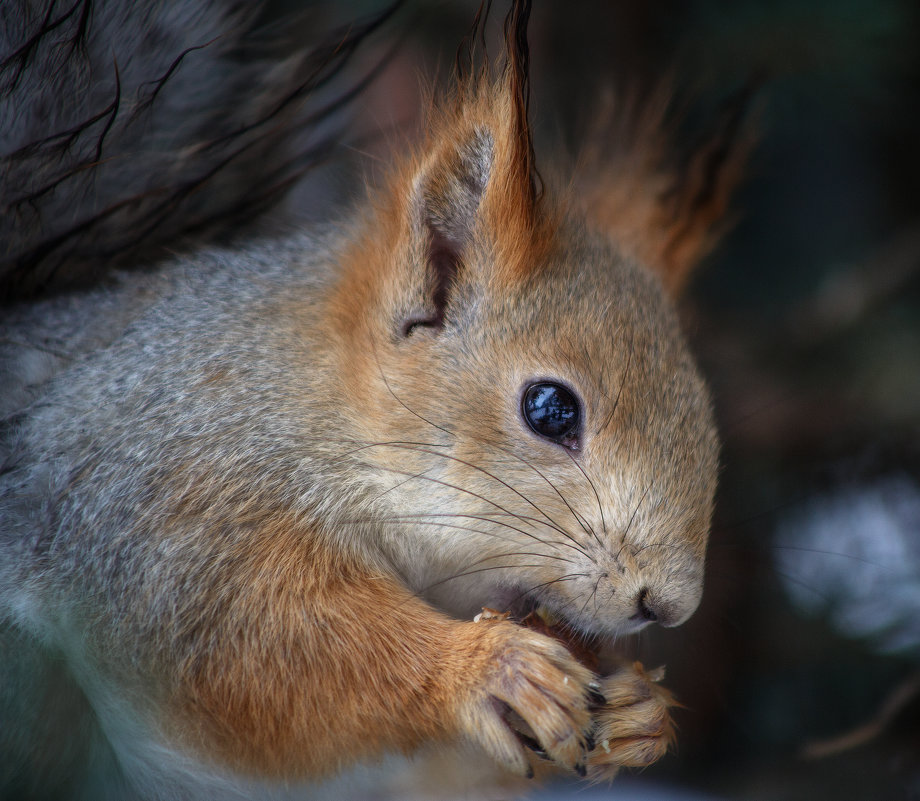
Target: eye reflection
(552,411)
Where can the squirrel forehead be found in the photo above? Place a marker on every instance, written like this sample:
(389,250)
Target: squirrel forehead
(584,304)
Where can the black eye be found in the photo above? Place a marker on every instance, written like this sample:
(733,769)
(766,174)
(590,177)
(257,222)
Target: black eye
(552,412)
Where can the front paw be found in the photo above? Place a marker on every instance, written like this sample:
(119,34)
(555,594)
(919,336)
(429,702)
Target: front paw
(530,690)
(633,726)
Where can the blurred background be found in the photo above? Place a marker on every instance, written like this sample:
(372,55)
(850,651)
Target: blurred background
(800,674)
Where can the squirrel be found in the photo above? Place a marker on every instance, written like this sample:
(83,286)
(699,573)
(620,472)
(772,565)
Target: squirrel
(253,497)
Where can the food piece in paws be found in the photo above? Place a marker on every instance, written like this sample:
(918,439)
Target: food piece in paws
(491,614)
(584,649)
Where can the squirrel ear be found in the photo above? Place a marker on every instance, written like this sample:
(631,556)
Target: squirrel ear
(446,198)
(476,180)
(668,213)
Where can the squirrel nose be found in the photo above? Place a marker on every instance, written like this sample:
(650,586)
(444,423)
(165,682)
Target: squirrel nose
(646,610)
(649,608)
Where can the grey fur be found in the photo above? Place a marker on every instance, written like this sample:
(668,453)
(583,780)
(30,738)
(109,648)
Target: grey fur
(86,399)
(127,130)
(93,375)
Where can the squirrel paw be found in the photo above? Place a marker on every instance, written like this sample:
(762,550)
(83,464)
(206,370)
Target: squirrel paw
(632,727)
(532,694)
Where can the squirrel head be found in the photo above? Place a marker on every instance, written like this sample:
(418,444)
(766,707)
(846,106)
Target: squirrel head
(523,403)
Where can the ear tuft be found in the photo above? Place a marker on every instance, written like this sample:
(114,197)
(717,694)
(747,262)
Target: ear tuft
(667,214)
(465,205)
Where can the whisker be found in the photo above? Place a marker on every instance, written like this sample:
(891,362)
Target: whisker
(474,572)
(842,554)
(508,486)
(551,523)
(535,521)
(767,514)
(581,522)
(597,497)
(500,556)
(636,511)
(400,402)
(592,596)
(485,518)
(577,517)
(427,517)
(529,590)
(659,544)
(616,401)
(363,446)
(419,519)
(399,484)
(804,584)
(573,545)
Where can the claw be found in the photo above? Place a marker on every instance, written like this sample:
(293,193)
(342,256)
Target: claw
(596,697)
(532,744)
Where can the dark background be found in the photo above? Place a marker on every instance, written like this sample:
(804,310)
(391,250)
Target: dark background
(799,674)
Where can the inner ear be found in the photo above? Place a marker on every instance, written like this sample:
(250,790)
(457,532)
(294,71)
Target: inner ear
(443,262)
(447,208)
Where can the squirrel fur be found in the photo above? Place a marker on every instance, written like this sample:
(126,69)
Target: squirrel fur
(251,498)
